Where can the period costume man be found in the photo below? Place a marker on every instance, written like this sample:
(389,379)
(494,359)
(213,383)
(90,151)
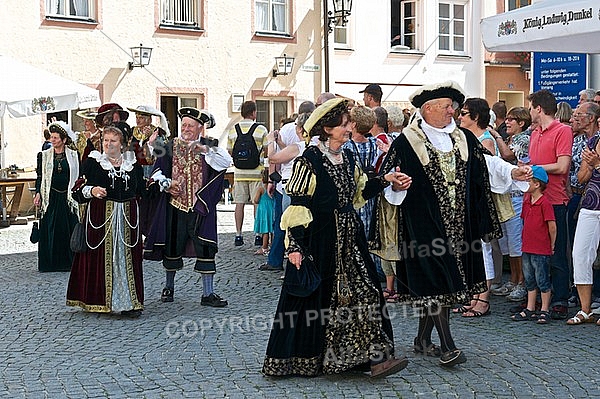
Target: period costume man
(142,135)
(442,217)
(190,177)
(90,137)
(145,139)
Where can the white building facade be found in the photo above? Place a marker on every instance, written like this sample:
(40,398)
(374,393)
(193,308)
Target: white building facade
(438,40)
(215,54)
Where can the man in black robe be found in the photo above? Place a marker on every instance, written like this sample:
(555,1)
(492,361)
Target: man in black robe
(441,218)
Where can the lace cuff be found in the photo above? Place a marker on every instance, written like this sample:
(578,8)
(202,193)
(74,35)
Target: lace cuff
(163,182)
(87,191)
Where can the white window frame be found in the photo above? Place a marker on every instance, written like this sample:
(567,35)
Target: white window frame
(171,10)
(62,9)
(272,123)
(416,23)
(265,25)
(339,31)
(183,99)
(451,23)
(518,4)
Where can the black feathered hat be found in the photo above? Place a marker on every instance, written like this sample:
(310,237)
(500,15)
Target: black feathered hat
(448,89)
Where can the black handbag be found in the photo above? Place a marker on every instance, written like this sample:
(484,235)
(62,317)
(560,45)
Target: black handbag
(35,233)
(301,282)
(78,239)
(34,237)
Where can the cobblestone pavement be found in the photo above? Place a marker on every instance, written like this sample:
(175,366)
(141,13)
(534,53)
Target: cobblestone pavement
(181,349)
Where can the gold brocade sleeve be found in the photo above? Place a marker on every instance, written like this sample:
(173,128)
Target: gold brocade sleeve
(361,180)
(387,224)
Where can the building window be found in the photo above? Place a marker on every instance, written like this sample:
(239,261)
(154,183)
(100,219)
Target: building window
(71,9)
(272,16)
(340,34)
(514,4)
(181,13)
(404,24)
(170,104)
(270,112)
(452,35)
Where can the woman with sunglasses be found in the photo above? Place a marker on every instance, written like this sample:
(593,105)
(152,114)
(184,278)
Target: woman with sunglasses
(516,149)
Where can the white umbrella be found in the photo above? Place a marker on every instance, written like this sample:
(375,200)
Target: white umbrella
(26,91)
(551,25)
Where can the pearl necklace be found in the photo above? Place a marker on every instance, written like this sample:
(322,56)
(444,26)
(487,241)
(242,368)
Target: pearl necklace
(116,160)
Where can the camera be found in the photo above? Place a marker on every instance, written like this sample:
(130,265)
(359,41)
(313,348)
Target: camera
(369,171)
(209,142)
(275,177)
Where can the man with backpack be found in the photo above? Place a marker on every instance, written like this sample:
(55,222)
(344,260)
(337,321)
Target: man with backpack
(245,143)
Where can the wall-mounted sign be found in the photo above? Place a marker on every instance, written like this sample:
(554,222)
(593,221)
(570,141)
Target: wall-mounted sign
(236,102)
(564,74)
(310,68)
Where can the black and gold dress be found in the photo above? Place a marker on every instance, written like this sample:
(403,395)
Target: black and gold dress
(341,325)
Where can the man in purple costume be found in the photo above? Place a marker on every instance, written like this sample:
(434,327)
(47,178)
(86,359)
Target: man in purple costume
(189,173)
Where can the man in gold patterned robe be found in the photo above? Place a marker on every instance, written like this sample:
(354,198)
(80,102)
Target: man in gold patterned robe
(190,176)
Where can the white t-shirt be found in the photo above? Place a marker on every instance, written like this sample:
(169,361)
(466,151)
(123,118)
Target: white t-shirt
(289,137)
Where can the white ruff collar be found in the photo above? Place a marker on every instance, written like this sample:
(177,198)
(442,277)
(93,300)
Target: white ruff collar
(427,128)
(127,164)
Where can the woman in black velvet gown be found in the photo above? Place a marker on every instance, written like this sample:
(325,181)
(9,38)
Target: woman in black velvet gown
(343,324)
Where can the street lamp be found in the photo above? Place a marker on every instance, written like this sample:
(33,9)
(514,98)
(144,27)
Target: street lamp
(140,55)
(339,15)
(341,11)
(284,65)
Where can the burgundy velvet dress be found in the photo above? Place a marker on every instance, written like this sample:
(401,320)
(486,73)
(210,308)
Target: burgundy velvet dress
(108,276)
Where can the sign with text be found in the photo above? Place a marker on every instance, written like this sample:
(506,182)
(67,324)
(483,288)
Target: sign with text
(564,74)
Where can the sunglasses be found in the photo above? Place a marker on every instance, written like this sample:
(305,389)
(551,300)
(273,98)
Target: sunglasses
(464,113)
(510,118)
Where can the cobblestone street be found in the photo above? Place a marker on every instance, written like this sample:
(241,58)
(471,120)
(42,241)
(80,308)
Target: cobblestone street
(181,349)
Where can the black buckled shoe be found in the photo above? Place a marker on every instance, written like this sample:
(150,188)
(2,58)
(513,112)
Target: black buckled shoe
(426,349)
(166,295)
(452,358)
(213,300)
(258,241)
(132,314)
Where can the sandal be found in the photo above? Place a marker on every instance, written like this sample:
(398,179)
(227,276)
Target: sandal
(477,313)
(262,251)
(390,296)
(580,318)
(543,317)
(524,315)
(464,307)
